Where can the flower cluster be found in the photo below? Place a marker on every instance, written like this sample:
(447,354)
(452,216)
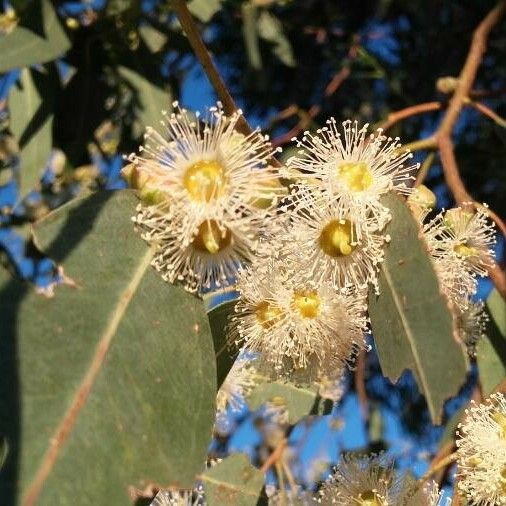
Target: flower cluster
(481,450)
(209,204)
(303,258)
(461,243)
(206,193)
(303,302)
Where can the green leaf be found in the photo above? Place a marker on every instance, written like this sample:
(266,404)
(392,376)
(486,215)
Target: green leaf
(218,320)
(153,38)
(110,383)
(151,99)
(491,349)
(299,400)
(117,7)
(31,122)
(411,322)
(250,34)
(271,30)
(234,482)
(204,10)
(38,38)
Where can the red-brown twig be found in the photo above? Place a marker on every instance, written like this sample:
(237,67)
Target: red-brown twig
(201,52)
(486,111)
(458,100)
(397,116)
(275,456)
(463,88)
(315,109)
(360,384)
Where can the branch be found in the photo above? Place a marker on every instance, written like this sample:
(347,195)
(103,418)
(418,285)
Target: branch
(462,91)
(360,384)
(458,100)
(486,111)
(275,456)
(397,116)
(201,52)
(314,110)
(208,65)
(439,464)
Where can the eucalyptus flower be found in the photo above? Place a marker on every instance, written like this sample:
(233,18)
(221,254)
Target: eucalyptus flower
(463,236)
(481,451)
(206,193)
(294,324)
(240,381)
(362,481)
(332,242)
(193,497)
(354,166)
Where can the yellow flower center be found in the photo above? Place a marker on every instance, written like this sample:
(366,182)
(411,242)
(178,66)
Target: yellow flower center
(205,180)
(357,176)
(500,419)
(369,498)
(307,303)
(211,239)
(268,314)
(503,481)
(465,251)
(336,238)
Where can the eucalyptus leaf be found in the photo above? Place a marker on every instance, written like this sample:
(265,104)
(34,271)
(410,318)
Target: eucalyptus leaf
(249,14)
(204,10)
(109,384)
(299,400)
(151,99)
(411,321)
(38,38)
(31,122)
(233,482)
(271,30)
(491,349)
(219,320)
(153,38)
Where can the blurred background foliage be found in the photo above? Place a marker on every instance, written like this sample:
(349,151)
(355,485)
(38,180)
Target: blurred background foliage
(80,81)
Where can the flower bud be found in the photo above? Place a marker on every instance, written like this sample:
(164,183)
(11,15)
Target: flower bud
(422,197)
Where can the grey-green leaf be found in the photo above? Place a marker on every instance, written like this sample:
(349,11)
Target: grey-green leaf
(204,10)
(271,30)
(491,349)
(31,122)
(233,482)
(111,383)
(412,325)
(249,13)
(152,99)
(219,318)
(299,400)
(38,38)
(153,38)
